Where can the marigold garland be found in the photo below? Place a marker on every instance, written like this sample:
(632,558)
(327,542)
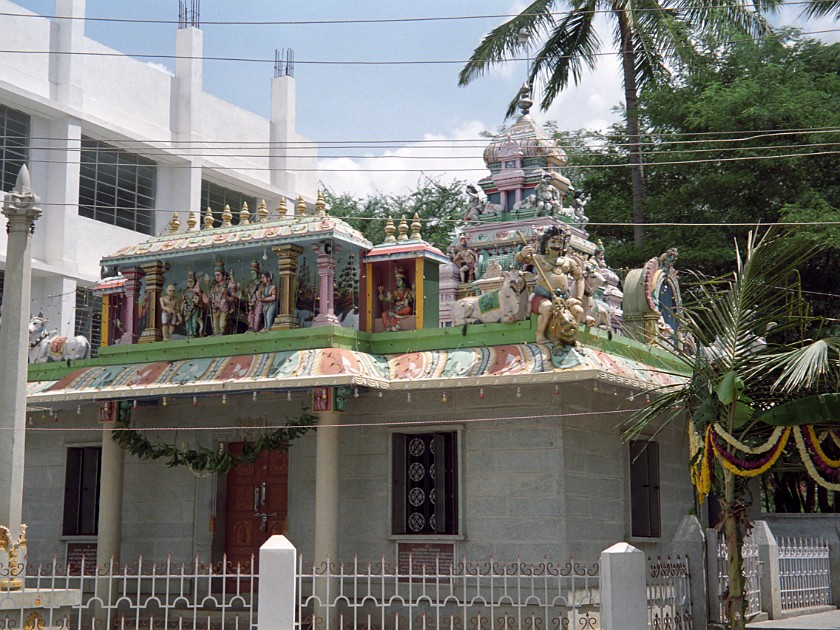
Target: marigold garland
(743,468)
(730,439)
(809,464)
(816,447)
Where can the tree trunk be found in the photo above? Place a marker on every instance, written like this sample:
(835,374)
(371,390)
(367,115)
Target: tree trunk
(735,604)
(631,101)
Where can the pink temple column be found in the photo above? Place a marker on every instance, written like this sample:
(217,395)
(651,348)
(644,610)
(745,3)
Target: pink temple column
(133,277)
(326,276)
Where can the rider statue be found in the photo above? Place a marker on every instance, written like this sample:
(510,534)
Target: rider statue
(559,277)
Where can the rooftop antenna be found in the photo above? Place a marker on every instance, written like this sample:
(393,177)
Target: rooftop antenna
(188,13)
(284,62)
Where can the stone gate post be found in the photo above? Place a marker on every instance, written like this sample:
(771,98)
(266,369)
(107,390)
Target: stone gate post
(277,599)
(623,588)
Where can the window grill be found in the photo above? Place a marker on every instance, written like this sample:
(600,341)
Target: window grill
(14,145)
(89,318)
(217,197)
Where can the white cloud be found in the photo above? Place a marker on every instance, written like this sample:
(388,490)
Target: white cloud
(398,171)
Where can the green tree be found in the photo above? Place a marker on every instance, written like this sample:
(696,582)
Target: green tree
(741,399)
(440,206)
(649,36)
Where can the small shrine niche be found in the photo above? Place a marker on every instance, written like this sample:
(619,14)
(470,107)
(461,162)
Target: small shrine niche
(401,282)
(652,302)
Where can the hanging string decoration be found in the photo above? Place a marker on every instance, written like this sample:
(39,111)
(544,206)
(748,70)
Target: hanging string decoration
(204,461)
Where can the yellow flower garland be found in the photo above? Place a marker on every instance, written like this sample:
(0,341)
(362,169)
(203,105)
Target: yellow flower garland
(758,471)
(834,463)
(752,450)
(809,465)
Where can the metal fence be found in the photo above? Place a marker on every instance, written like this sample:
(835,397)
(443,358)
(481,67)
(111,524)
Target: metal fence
(751,568)
(804,572)
(669,594)
(143,595)
(449,595)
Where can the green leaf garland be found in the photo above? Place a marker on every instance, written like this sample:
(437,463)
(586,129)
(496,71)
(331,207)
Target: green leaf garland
(205,461)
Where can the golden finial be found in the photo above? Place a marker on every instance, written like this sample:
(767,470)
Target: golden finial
(244,214)
(262,212)
(415,228)
(227,215)
(281,208)
(389,231)
(192,221)
(174,224)
(320,205)
(208,219)
(300,207)
(403,229)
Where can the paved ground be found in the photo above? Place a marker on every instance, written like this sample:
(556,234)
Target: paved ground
(820,621)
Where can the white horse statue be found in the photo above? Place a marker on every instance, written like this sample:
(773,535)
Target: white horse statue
(505,304)
(596,312)
(45,346)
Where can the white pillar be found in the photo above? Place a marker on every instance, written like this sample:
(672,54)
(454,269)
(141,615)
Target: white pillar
(326,486)
(277,599)
(184,184)
(282,132)
(66,68)
(691,541)
(623,588)
(768,559)
(110,499)
(20,208)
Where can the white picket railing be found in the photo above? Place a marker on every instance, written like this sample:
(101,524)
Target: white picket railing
(669,594)
(449,595)
(804,572)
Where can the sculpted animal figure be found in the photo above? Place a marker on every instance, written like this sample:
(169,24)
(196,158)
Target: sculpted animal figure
(505,304)
(596,312)
(563,326)
(47,345)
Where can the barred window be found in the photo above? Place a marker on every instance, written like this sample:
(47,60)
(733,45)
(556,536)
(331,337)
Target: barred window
(14,145)
(425,476)
(81,491)
(644,489)
(217,197)
(89,318)
(117,187)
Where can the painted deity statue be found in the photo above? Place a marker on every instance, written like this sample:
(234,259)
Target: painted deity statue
(252,289)
(192,306)
(397,304)
(266,300)
(221,298)
(559,278)
(547,197)
(170,312)
(475,205)
(465,259)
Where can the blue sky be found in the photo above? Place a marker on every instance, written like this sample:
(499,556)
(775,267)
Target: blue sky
(362,103)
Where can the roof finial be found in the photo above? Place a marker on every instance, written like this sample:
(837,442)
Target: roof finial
(244,214)
(300,206)
(415,228)
(227,215)
(281,208)
(389,231)
(208,219)
(262,212)
(192,221)
(525,103)
(174,224)
(403,229)
(320,204)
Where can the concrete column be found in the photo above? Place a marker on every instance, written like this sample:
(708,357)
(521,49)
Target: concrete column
(287,262)
(110,496)
(277,605)
(768,557)
(690,541)
(154,289)
(133,276)
(623,588)
(327,457)
(326,281)
(21,210)
(282,131)
(185,183)
(67,69)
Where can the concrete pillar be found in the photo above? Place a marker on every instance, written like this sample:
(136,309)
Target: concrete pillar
(282,132)
(61,154)
(690,541)
(277,605)
(154,289)
(768,557)
(326,281)
(185,183)
(623,588)
(21,210)
(110,495)
(66,68)
(287,262)
(327,468)
(133,276)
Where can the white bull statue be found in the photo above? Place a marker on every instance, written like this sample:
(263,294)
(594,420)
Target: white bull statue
(505,304)
(45,346)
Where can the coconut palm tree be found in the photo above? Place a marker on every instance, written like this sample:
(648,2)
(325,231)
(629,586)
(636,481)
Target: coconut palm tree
(820,8)
(649,35)
(746,401)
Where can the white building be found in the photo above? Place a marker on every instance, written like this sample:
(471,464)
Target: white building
(114,145)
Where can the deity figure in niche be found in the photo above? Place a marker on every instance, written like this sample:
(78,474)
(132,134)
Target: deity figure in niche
(192,307)
(170,312)
(221,298)
(267,300)
(465,258)
(255,310)
(397,304)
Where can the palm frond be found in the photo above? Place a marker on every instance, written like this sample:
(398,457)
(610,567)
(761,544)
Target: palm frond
(805,367)
(820,8)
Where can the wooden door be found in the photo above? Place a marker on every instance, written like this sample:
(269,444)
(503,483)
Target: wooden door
(256,505)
